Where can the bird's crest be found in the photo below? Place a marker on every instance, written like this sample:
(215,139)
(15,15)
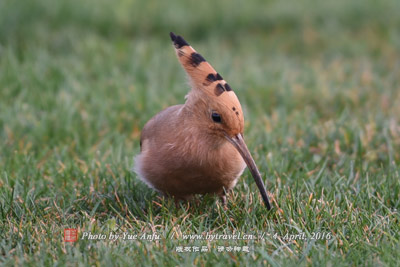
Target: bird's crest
(202,75)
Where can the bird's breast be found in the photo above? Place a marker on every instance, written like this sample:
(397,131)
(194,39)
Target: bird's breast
(204,166)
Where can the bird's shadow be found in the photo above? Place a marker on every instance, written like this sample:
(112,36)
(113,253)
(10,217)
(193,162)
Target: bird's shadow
(127,199)
(131,199)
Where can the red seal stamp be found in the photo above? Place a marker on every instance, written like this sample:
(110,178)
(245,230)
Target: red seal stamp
(70,235)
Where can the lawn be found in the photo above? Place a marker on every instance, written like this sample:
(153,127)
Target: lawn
(319,83)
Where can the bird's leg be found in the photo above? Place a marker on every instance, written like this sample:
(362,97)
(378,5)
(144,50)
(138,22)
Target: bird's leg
(222,196)
(176,200)
(223,199)
(185,198)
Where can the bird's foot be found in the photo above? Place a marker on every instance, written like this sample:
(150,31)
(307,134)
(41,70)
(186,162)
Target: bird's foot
(223,200)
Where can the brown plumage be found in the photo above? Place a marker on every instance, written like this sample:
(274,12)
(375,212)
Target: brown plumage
(197,147)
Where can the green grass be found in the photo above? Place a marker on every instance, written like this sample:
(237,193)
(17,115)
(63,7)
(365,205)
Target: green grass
(319,84)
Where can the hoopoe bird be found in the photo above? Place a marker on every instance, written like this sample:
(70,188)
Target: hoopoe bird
(197,147)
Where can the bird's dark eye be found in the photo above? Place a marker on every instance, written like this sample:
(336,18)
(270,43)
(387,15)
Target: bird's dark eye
(216,117)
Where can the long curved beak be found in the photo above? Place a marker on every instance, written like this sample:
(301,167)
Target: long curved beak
(241,146)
